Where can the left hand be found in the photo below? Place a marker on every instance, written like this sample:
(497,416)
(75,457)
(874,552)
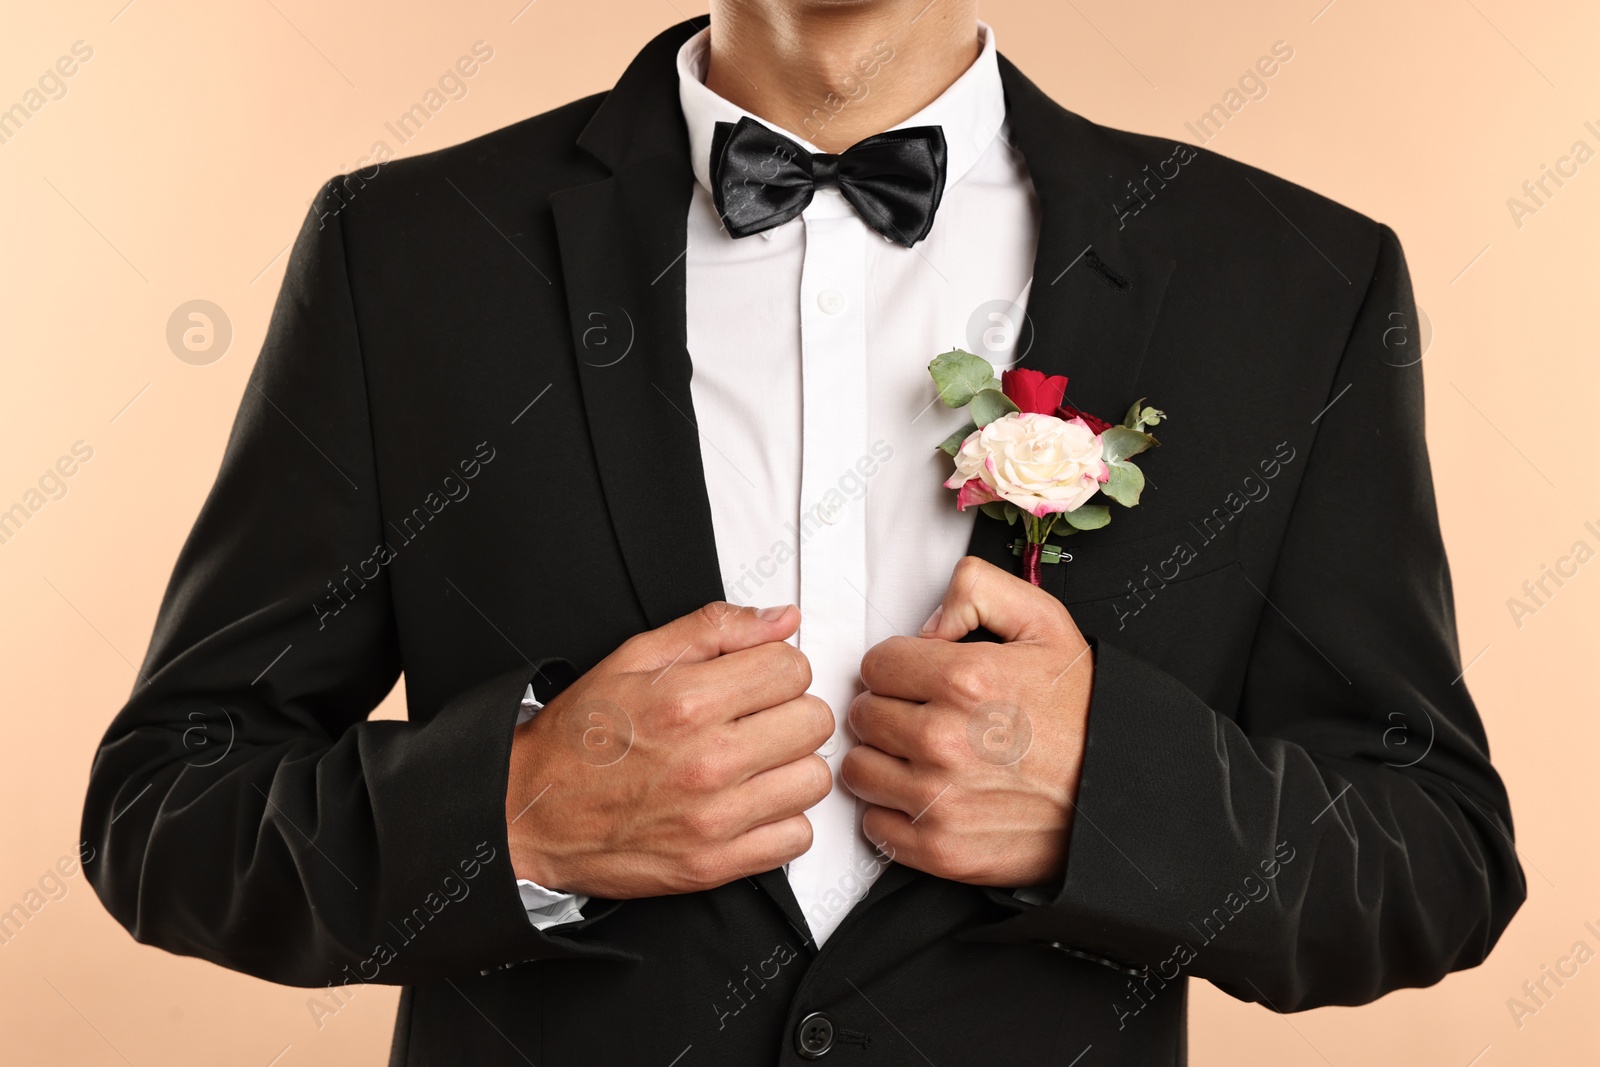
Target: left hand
(970,753)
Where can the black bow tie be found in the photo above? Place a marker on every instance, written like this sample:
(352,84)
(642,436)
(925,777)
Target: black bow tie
(762,179)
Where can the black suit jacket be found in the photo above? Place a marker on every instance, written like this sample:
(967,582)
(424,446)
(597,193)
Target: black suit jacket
(444,464)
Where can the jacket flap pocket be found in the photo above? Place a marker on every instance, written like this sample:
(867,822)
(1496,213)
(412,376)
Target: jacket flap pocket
(1102,569)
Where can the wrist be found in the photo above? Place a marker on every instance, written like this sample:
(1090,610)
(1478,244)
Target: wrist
(525,790)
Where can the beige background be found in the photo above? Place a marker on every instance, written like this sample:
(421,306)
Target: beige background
(182,156)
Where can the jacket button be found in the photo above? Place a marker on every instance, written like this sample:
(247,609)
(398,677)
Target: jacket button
(814,1037)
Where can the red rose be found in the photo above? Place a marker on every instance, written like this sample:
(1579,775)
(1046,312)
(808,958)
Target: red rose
(1068,412)
(1033,391)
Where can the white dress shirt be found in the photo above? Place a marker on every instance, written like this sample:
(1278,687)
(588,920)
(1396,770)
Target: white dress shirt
(818,419)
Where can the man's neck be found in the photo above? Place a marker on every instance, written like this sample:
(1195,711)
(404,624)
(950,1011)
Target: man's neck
(835,73)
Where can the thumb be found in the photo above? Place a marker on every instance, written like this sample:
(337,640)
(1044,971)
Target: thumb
(981,594)
(708,632)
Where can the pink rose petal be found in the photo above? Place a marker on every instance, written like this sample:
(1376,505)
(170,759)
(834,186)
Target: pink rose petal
(974,493)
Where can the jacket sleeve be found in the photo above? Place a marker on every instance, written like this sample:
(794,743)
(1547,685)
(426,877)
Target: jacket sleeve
(242,808)
(1307,852)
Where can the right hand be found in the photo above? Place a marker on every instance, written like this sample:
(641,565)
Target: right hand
(680,762)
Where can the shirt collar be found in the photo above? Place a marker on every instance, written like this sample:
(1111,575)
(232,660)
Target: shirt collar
(971,112)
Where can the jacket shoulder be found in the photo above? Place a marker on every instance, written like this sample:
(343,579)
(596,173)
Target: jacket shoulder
(1198,201)
(537,154)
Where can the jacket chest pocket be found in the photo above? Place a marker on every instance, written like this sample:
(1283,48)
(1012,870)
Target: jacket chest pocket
(1178,599)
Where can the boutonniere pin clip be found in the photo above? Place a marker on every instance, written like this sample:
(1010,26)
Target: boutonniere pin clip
(1028,455)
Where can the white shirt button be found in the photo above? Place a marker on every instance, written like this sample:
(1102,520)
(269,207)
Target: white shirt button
(829,747)
(829,511)
(831,301)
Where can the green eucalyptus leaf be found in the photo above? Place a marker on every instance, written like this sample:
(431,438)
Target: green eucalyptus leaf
(991,404)
(995,509)
(1012,513)
(1119,443)
(952,444)
(1088,517)
(1125,484)
(960,376)
(1139,416)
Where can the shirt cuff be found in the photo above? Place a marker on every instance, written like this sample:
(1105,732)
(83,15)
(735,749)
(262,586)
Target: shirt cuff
(548,907)
(545,907)
(530,706)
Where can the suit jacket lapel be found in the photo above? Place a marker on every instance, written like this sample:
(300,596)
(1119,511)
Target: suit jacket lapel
(622,243)
(623,239)
(1096,293)
(1094,301)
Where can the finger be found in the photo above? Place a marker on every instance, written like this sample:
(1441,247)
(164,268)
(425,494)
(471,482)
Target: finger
(981,594)
(881,779)
(770,845)
(735,684)
(904,667)
(893,833)
(714,630)
(783,792)
(780,735)
(898,727)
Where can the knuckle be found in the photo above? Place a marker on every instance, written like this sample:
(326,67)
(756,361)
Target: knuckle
(703,867)
(802,665)
(825,721)
(802,838)
(701,772)
(872,665)
(689,705)
(970,679)
(875,826)
(934,804)
(943,744)
(822,778)
(858,719)
(848,769)
(968,568)
(855,774)
(714,616)
(717,822)
(945,857)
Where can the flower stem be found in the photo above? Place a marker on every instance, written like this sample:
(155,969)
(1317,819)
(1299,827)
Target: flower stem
(1030,561)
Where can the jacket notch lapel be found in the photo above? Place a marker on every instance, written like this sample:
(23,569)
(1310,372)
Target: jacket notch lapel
(622,249)
(622,240)
(1096,294)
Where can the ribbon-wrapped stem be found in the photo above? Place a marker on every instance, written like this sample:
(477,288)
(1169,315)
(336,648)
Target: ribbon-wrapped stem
(1030,562)
(1034,555)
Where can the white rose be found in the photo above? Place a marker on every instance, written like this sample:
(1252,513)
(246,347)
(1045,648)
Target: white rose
(1040,463)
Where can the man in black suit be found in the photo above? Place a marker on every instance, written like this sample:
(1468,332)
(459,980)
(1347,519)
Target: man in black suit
(1233,739)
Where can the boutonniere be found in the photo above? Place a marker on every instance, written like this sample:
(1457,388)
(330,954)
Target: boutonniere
(1029,455)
